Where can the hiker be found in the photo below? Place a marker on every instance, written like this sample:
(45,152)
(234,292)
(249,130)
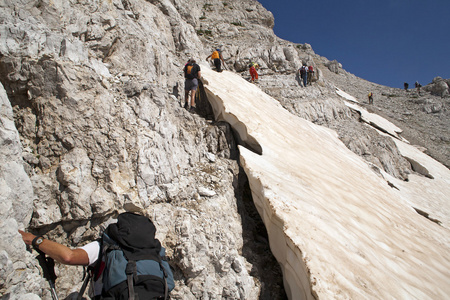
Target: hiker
(370,98)
(191,74)
(310,74)
(253,73)
(217,58)
(418,86)
(406,85)
(130,242)
(303,74)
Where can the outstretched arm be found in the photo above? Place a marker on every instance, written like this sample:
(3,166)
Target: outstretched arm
(58,252)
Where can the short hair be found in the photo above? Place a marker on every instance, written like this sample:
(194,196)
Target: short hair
(192,60)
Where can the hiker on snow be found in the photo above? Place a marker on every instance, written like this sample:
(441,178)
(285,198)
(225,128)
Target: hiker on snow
(253,73)
(128,252)
(217,58)
(303,74)
(191,74)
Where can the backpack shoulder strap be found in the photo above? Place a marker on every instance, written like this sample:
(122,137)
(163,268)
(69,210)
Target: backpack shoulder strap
(131,272)
(166,288)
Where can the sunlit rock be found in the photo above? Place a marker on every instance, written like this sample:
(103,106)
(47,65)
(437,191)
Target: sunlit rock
(338,229)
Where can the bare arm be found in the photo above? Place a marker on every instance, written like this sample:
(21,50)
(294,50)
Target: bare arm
(57,251)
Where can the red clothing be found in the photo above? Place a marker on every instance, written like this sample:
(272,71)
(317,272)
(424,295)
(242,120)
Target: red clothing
(253,73)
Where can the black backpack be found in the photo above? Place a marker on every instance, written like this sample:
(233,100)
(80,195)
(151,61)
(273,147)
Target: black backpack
(131,262)
(303,70)
(189,71)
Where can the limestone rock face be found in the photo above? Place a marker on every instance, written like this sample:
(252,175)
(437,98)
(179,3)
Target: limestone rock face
(16,202)
(92,125)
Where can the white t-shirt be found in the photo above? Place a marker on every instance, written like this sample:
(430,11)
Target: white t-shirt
(92,249)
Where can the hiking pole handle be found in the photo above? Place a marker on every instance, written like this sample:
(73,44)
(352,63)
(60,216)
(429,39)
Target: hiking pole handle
(47,265)
(48,269)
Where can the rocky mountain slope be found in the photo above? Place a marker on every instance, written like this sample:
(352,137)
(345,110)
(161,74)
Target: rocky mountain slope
(94,90)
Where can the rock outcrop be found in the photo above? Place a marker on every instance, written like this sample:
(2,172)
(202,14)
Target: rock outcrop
(438,87)
(92,125)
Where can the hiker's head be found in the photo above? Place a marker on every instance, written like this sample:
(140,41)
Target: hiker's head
(218,49)
(192,61)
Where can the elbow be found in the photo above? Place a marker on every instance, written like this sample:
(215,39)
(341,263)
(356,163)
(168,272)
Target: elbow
(69,258)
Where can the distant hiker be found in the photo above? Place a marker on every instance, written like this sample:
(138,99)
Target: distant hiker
(253,73)
(127,253)
(191,74)
(370,98)
(418,86)
(303,74)
(405,85)
(310,74)
(217,58)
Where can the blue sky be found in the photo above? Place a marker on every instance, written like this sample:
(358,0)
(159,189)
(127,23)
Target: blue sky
(383,41)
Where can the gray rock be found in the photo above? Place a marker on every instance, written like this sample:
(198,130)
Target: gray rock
(91,90)
(438,87)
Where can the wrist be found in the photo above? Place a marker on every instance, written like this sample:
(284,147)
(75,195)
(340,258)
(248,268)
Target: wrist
(37,241)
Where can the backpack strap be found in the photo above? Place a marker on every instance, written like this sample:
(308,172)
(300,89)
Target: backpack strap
(166,288)
(131,271)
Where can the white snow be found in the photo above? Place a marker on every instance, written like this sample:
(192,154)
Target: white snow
(338,230)
(346,96)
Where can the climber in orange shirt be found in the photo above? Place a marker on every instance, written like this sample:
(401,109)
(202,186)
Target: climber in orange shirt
(216,56)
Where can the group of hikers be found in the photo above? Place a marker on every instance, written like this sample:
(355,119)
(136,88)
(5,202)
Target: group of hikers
(306,74)
(127,261)
(417,86)
(192,73)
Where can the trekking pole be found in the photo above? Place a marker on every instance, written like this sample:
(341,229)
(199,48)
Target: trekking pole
(48,268)
(88,275)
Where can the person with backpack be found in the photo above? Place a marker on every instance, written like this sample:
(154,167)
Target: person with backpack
(217,58)
(127,262)
(192,74)
(310,74)
(418,86)
(370,96)
(253,73)
(303,74)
